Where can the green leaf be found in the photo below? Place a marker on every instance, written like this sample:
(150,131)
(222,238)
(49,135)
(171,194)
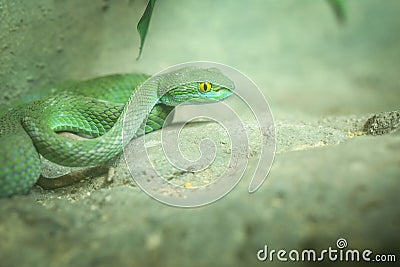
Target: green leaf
(143,24)
(339,8)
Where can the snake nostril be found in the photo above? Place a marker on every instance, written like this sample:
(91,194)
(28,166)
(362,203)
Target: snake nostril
(219,89)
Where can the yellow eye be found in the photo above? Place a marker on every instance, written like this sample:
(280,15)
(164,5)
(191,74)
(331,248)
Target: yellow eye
(205,87)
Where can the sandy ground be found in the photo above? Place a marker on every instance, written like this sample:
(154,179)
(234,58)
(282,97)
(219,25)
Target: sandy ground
(324,83)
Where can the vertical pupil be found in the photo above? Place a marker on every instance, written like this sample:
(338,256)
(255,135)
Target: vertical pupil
(205,86)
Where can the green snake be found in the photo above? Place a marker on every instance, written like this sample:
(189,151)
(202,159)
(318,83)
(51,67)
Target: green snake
(109,111)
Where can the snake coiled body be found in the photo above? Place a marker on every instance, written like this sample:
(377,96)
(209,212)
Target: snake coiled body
(110,110)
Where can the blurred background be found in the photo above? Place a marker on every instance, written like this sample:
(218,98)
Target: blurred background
(309,66)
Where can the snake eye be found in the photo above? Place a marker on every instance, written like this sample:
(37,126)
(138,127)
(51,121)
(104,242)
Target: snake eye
(205,87)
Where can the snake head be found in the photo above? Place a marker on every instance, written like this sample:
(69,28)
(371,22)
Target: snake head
(193,85)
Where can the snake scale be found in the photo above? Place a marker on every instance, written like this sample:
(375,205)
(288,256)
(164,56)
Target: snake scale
(109,111)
